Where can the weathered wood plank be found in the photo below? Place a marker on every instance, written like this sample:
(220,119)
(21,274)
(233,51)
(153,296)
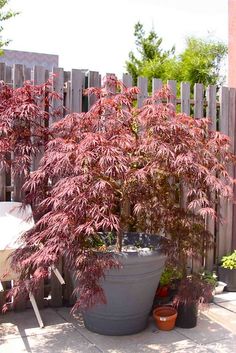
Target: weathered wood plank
(185,108)
(2,172)
(185,97)
(2,72)
(56,288)
(210,223)
(156,87)
(2,186)
(27,73)
(143,86)
(173,88)
(68,298)
(127,80)
(93,81)
(18,180)
(223,234)
(58,86)
(77,86)
(9,71)
(231,238)
(198,100)
(211,105)
(39,73)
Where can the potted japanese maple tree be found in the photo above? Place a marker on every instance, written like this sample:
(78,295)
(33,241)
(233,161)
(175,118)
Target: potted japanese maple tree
(109,189)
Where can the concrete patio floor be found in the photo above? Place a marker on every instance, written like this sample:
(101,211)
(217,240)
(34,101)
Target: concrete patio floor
(215,333)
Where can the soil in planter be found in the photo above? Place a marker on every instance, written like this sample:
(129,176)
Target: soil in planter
(187,315)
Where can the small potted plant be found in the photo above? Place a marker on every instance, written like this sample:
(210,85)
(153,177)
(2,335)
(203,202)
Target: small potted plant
(227,271)
(193,292)
(211,277)
(168,281)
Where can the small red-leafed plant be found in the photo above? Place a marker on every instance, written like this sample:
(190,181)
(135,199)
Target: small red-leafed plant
(118,168)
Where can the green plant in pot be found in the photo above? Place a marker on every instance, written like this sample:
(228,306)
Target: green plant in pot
(119,170)
(227,271)
(168,281)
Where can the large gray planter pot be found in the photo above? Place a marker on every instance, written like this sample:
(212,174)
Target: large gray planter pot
(129,292)
(229,277)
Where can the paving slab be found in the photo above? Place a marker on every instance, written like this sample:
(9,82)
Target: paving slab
(19,332)
(229,305)
(150,340)
(64,333)
(225,296)
(24,323)
(224,346)
(220,315)
(206,331)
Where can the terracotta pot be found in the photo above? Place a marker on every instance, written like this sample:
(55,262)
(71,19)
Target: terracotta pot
(165,317)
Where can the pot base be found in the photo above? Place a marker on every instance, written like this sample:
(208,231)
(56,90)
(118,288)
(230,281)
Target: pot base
(115,327)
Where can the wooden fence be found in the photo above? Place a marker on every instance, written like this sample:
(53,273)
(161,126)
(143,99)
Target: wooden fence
(218,104)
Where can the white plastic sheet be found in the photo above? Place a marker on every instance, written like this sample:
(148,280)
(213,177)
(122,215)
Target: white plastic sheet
(13,223)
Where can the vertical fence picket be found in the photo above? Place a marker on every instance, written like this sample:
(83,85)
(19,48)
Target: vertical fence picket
(156,87)
(77,86)
(198,100)
(127,80)
(39,77)
(184,108)
(58,86)
(2,72)
(67,92)
(230,240)
(143,86)
(93,81)
(27,73)
(198,113)
(2,173)
(210,223)
(185,97)
(223,228)
(172,86)
(56,288)
(18,79)
(9,73)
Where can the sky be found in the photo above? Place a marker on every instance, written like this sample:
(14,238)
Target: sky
(98,34)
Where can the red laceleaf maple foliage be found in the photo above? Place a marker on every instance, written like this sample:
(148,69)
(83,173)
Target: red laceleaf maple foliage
(24,115)
(118,168)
